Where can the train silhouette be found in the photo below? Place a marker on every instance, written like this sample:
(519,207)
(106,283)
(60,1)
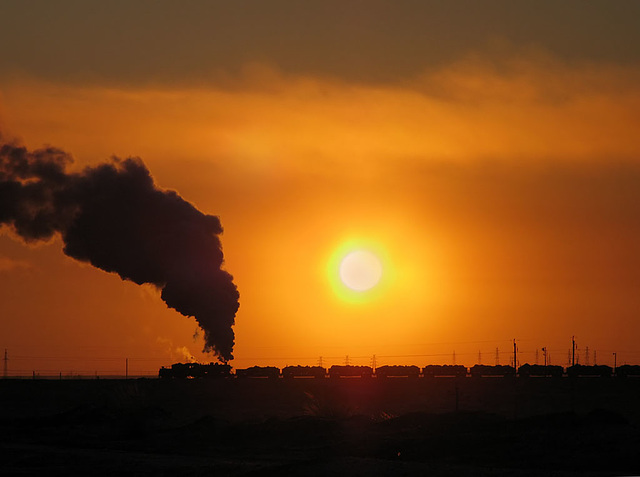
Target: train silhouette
(216,370)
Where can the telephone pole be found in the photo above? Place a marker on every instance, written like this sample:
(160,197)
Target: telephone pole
(573,351)
(497,357)
(515,357)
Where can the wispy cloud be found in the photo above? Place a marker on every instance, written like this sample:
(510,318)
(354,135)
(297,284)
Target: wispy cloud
(520,108)
(8,264)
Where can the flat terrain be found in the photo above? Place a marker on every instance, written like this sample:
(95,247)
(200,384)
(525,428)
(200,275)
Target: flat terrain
(439,427)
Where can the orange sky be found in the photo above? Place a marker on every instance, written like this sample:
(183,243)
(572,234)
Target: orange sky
(502,190)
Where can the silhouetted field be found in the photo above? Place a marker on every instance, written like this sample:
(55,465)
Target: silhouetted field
(440,427)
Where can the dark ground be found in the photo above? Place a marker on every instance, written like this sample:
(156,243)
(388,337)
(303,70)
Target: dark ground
(437,427)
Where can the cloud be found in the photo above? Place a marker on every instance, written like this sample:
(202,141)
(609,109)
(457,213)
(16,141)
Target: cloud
(127,43)
(532,108)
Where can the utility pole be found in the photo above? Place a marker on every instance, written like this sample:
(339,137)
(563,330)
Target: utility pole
(586,358)
(479,357)
(346,360)
(454,358)
(573,351)
(6,362)
(320,361)
(373,363)
(544,354)
(497,357)
(515,358)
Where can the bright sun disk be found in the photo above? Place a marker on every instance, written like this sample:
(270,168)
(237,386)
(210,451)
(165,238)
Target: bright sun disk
(360,270)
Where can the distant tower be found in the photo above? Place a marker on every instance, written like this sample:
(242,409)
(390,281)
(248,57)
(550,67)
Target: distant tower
(346,360)
(544,354)
(586,356)
(573,350)
(320,361)
(497,357)
(479,357)
(515,356)
(373,363)
(536,355)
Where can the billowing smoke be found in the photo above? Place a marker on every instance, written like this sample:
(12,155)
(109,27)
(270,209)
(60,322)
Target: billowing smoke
(115,218)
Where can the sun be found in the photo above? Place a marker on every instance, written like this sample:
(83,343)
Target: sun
(360,270)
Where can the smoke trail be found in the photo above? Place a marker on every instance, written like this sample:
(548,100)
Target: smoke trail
(115,218)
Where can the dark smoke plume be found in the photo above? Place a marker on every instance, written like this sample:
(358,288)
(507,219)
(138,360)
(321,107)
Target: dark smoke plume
(114,217)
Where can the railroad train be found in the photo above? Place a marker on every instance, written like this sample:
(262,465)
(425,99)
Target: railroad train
(216,370)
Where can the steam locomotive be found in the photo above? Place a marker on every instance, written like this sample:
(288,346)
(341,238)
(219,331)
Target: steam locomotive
(216,370)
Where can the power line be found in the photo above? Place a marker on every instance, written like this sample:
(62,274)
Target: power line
(91,358)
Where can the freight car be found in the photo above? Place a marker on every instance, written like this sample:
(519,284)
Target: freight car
(598,371)
(304,372)
(349,371)
(481,370)
(259,372)
(434,371)
(397,372)
(537,370)
(627,370)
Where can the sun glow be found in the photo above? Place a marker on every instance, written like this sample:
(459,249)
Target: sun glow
(360,271)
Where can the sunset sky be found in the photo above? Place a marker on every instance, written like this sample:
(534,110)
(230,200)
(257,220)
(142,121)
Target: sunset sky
(487,152)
